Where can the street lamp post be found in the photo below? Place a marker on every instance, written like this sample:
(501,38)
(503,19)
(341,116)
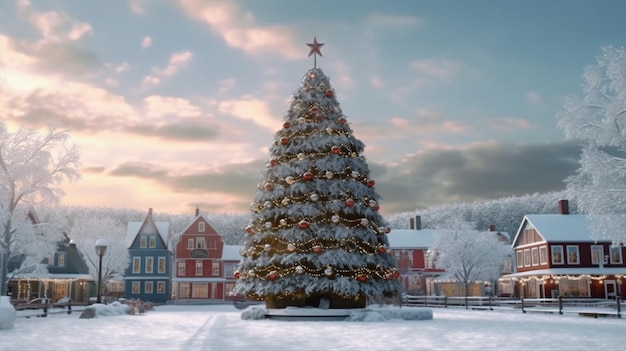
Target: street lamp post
(101,248)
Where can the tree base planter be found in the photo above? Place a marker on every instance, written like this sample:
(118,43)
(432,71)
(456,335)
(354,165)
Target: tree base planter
(7,313)
(322,301)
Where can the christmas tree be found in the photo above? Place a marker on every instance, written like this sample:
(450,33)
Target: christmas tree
(316,237)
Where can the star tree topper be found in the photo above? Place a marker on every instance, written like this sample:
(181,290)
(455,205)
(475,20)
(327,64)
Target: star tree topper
(315,50)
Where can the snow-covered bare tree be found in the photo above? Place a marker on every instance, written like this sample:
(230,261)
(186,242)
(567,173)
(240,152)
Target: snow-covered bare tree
(598,118)
(32,165)
(469,255)
(85,231)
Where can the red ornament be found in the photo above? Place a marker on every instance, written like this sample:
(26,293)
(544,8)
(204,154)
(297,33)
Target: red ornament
(272,276)
(396,274)
(329,93)
(313,109)
(284,141)
(341,121)
(376,208)
(273,162)
(237,274)
(361,277)
(286,125)
(387,230)
(308,176)
(303,225)
(381,249)
(349,202)
(370,183)
(249,230)
(390,276)
(268,187)
(335,150)
(317,249)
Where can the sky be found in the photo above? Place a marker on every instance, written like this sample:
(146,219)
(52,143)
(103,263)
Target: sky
(220,327)
(174,104)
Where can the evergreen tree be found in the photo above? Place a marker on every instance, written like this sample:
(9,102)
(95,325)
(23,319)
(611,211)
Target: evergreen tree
(316,234)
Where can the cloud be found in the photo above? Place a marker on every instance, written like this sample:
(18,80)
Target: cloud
(137,7)
(442,69)
(139,170)
(146,42)
(240,31)
(533,97)
(157,106)
(188,131)
(177,61)
(123,67)
(477,172)
(250,108)
(54,25)
(506,124)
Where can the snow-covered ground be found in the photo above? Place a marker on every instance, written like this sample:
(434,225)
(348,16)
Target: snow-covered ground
(220,327)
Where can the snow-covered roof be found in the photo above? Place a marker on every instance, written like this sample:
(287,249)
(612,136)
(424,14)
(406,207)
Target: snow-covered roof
(569,271)
(133,229)
(558,227)
(231,253)
(53,276)
(411,238)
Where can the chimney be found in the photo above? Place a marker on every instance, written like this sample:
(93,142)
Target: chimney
(492,227)
(197,211)
(415,223)
(563,207)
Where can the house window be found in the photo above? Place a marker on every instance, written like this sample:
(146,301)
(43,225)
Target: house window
(181,268)
(190,243)
(149,261)
(183,291)
(136,264)
(616,254)
(527,258)
(572,254)
(519,257)
(229,269)
(51,259)
(161,264)
(557,254)
(543,255)
(597,254)
(142,242)
(198,267)
(148,287)
(160,287)
(228,289)
(61,259)
(136,288)
(152,241)
(201,243)
(200,291)
(215,268)
(201,227)
(535,256)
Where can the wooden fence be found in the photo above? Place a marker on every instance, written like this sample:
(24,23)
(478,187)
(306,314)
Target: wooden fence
(582,306)
(25,309)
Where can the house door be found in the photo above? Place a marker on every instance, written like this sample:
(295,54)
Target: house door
(609,289)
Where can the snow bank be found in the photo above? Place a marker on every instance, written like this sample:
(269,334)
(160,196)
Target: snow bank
(7,313)
(369,314)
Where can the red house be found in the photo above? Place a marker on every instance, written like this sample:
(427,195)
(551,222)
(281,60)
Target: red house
(411,248)
(204,267)
(556,256)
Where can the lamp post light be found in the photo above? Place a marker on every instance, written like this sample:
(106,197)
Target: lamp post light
(101,248)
